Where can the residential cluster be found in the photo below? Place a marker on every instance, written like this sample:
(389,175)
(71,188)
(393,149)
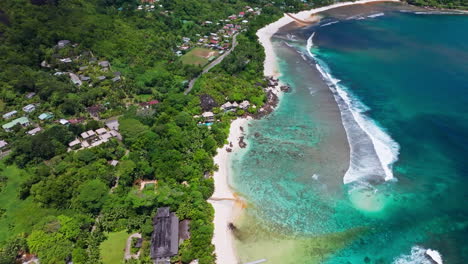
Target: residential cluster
(83,68)
(222,38)
(207,118)
(91,138)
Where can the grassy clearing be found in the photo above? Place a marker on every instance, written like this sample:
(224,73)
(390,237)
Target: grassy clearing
(198,56)
(113,248)
(20,215)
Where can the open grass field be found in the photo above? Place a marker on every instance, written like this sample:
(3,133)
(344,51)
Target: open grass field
(20,215)
(113,248)
(198,56)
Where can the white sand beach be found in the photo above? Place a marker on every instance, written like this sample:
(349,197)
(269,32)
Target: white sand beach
(225,208)
(264,34)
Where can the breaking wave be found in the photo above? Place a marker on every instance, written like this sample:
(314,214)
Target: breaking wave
(329,23)
(420,255)
(375,15)
(372,150)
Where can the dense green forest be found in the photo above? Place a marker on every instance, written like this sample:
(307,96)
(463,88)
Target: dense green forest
(61,205)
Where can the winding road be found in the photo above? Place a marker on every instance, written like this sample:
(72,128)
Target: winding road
(212,64)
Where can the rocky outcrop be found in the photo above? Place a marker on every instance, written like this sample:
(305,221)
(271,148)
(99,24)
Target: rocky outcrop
(207,102)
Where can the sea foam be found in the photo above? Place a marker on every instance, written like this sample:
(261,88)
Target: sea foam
(376,15)
(329,23)
(420,255)
(373,151)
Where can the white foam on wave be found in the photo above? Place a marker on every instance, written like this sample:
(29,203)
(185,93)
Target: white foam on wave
(330,23)
(420,255)
(363,163)
(376,15)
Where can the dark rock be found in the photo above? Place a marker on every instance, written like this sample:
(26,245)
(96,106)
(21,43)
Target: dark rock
(207,102)
(257,134)
(242,144)
(285,88)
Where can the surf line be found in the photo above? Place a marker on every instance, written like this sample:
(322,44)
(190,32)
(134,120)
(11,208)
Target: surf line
(369,158)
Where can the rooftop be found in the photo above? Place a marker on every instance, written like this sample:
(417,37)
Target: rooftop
(164,240)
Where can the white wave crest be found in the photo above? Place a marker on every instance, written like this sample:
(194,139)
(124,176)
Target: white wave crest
(330,23)
(420,255)
(373,151)
(376,15)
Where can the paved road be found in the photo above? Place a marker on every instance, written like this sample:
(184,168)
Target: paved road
(128,247)
(212,64)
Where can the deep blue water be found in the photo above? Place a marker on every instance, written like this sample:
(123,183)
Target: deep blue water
(411,71)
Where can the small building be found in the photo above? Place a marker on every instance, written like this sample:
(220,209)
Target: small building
(75,121)
(101,131)
(91,133)
(64,122)
(85,78)
(3,144)
(74,143)
(113,124)
(45,116)
(84,135)
(34,131)
(116,134)
(165,237)
(113,162)
(101,78)
(208,116)
(116,79)
(23,121)
(30,95)
(63,43)
(105,137)
(96,143)
(75,79)
(85,144)
(10,114)
(83,68)
(104,64)
(244,105)
(29,108)
(65,60)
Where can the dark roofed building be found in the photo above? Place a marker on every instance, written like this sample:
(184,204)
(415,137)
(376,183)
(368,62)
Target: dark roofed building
(184,232)
(165,237)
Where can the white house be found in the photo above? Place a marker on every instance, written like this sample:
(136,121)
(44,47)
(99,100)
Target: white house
(29,108)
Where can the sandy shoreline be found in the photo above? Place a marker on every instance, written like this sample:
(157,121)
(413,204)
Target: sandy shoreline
(264,34)
(225,210)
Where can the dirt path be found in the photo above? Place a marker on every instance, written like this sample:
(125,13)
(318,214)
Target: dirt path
(128,247)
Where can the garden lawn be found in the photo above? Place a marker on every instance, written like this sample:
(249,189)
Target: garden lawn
(198,56)
(113,248)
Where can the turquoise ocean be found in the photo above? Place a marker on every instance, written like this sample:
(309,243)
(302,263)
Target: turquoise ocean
(366,160)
